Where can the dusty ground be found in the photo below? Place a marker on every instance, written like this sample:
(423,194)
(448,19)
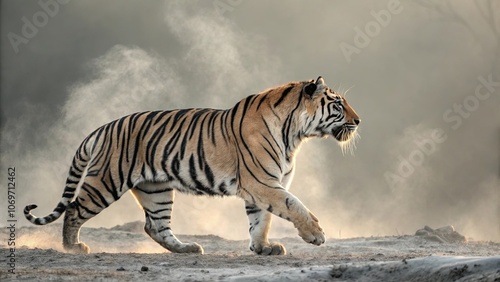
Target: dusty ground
(126,253)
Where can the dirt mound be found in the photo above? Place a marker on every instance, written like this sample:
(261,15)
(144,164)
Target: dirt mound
(445,234)
(133,227)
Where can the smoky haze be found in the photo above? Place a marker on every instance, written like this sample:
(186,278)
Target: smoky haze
(429,151)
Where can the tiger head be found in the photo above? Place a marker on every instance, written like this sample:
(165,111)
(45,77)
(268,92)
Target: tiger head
(329,114)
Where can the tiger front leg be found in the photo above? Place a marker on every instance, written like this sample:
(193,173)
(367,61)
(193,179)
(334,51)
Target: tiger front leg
(285,205)
(260,222)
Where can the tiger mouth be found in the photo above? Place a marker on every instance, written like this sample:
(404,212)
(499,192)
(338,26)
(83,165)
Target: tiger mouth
(344,132)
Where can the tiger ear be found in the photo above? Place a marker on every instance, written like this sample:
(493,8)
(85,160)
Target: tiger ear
(320,81)
(309,89)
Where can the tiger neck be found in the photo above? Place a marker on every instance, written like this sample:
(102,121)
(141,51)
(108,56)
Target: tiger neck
(292,135)
(292,147)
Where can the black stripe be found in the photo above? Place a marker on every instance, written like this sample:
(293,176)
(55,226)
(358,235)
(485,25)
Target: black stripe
(175,167)
(283,95)
(188,132)
(255,177)
(198,185)
(74,165)
(72,182)
(167,217)
(248,101)
(223,128)
(160,117)
(60,208)
(99,132)
(156,192)
(163,229)
(210,175)
(153,145)
(158,211)
(112,190)
(131,126)
(272,157)
(211,126)
(266,171)
(134,118)
(87,187)
(143,128)
(122,156)
(252,209)
(119,129)
(93,172)
(262,99)
(223,188)
(285,130)
(69,189)
(143,170)
(172,143)
(148,120)
(126,139)
(234,110)
(105,140)
(165,203)
(200,148)
(180,113)
(85,209)
(274,139)
(245,108)
(323,106)
(193,125)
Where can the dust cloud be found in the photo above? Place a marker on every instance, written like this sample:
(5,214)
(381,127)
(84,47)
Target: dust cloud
(398,179)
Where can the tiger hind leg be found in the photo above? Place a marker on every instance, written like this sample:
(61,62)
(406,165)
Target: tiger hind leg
(260,222)
(157,203)
(71,231)
(91,200)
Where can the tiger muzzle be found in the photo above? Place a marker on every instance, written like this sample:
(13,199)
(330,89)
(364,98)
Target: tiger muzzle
(345,131)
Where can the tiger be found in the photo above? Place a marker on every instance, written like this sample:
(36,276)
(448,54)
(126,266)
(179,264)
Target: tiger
(247,151)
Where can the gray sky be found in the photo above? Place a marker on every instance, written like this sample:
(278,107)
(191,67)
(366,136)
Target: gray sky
(411,68)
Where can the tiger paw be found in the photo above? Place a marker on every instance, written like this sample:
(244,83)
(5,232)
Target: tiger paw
(268,249)
(189,248)
(312,233)
(80,248)
(195,248)
(315,238)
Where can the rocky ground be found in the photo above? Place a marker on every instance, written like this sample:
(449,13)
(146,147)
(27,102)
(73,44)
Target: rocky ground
(126,253)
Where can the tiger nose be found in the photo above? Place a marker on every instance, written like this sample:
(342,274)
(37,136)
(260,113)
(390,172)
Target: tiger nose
(357,121)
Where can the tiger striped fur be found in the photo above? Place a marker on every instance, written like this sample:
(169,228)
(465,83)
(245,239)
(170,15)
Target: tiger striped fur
(248,151)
